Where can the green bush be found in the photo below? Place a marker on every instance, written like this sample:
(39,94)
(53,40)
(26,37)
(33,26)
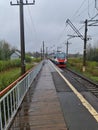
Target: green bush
(95,73)
(92,64)
(5,65)
(7,77)
(10,71)
(28,58)
(36,59)
(91,68)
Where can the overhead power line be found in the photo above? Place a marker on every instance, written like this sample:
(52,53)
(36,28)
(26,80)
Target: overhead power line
(82,10)
(79,7)
(75,29)
(96,4)
(82,37)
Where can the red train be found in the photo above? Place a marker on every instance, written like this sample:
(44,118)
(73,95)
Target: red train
(59,59)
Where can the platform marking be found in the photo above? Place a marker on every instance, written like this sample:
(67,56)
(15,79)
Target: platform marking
(82,99)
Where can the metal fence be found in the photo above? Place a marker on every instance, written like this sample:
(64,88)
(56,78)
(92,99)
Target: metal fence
(11,101)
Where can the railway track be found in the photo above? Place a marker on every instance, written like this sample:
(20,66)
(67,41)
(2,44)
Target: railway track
(81,82)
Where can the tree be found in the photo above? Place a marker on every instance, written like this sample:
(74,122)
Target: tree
(5,50)
(92,53)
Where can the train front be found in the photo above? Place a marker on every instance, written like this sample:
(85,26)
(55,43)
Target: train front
(60,59)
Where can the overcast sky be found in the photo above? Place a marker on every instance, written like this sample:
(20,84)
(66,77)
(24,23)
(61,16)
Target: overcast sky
(46,21)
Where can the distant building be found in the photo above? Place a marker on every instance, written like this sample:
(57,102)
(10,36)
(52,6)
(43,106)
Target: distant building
(15,55)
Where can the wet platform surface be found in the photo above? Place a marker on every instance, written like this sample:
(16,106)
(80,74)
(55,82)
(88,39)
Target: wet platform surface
(40,109)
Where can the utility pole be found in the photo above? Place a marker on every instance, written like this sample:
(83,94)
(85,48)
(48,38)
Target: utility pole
(67,45)
(22,38)
(41,54)
(85,42)
(43,51)
(84,38)
(67,49)
(46,52)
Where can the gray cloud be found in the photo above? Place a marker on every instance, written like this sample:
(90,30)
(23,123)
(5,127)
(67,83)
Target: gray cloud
(43,21)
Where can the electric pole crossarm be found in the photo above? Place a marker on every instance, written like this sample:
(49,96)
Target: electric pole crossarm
(73,36)
(14,4)
(26,3)
(93,22)
(92,25)
(29,3)
(75,29)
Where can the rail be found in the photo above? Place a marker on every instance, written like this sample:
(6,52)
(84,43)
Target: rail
(83,77)
(11,101)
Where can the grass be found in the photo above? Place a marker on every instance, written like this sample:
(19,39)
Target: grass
(10,74)
(5,65)
(36,60)
(91,68)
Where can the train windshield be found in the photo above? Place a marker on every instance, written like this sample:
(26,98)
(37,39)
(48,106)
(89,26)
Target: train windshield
(60,55)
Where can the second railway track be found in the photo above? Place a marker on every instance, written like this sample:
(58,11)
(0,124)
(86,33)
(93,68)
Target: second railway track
(81,82)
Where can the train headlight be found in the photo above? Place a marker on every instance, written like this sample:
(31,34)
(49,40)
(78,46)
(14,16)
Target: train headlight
(65,60)
(56,61)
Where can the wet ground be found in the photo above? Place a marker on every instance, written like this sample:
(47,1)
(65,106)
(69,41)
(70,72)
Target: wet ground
(41,107)
(51,105)
(76,115)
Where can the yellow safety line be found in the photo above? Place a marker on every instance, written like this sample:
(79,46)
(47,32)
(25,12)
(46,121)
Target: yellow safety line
(82,99)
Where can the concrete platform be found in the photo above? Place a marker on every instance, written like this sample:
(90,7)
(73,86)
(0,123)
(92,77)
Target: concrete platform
(41,107)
